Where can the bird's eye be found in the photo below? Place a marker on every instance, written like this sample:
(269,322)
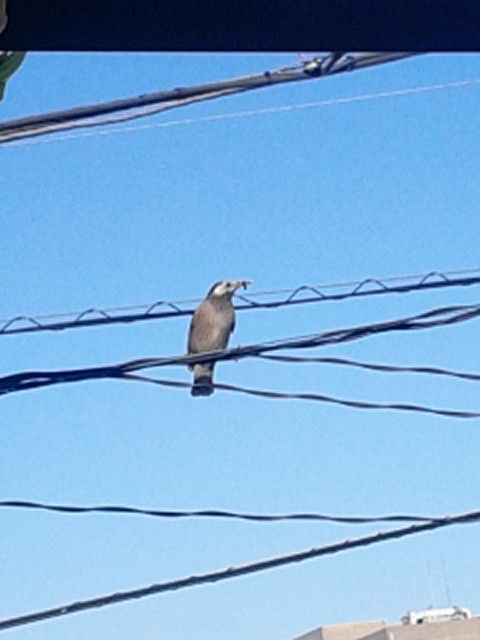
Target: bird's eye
(229,284)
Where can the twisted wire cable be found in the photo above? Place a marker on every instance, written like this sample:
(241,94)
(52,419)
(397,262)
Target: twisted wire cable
(210,513)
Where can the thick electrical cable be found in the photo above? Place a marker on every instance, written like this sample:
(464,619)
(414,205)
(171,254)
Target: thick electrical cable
(443,316)
(235,115)
(236,571)
(209,513)
(139,106)
(303,294)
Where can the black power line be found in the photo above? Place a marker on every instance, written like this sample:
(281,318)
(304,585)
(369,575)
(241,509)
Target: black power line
(140,106)
(310,396)
(304,294)
(443,316)
(370,366)
(209,513)
(236,572)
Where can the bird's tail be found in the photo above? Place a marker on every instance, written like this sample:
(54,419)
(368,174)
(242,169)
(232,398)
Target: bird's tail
(202,380)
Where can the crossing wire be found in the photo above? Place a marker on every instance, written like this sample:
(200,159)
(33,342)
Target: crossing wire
(235,572)
(303,294)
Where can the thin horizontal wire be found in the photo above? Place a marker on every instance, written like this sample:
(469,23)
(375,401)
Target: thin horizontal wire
(442,316)
(384,368)
(209,513)
(235,572)
(259,112)
(283,395)
(303,294)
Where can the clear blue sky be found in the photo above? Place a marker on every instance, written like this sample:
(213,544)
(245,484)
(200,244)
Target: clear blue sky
(369,189)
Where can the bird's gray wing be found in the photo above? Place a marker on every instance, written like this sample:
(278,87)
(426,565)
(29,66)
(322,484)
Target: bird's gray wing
(191,333)
(201,328)
(209,329)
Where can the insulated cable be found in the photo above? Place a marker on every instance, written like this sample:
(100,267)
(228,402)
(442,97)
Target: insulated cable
(236,571)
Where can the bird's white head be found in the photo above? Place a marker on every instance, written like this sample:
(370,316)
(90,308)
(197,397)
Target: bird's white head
(226,288)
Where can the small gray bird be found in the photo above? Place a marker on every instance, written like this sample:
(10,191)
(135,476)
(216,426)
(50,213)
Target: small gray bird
(212,323)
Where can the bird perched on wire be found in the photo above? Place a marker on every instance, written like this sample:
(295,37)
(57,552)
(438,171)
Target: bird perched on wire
(212,323)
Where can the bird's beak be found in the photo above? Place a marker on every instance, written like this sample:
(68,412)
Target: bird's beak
(243,283)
